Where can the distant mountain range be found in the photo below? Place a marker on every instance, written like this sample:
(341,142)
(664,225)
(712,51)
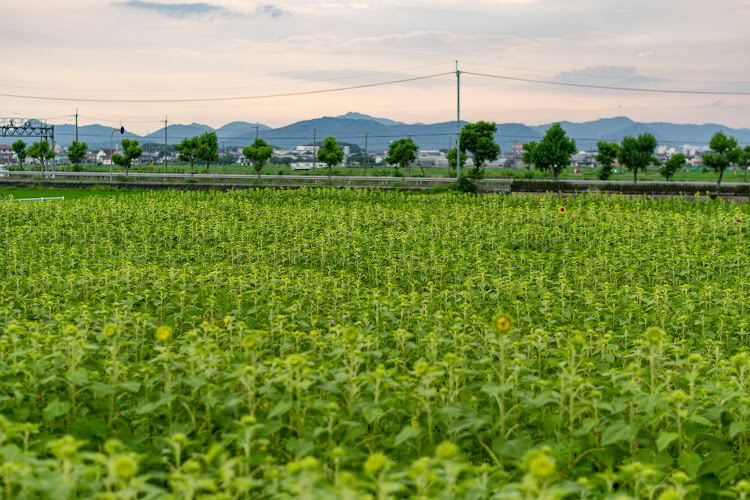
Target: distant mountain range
(352,127)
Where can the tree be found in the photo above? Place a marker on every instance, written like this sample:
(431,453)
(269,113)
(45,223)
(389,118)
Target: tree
(724,150)
(553,151)
(41,151)
(19,147)
(258,154)
(330,154)
(479,140)
(636,154)
(403,153)
(745,159)
(187,152)
(77,152)
(606,156)
(451,157)
(208,148)
(528,154)
(672,166)
(130,152)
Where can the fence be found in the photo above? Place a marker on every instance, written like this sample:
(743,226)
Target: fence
(229,181)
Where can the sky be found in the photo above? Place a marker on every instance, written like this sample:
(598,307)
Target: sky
(164,49)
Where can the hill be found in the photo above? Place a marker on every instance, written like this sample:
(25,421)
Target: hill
(352,128)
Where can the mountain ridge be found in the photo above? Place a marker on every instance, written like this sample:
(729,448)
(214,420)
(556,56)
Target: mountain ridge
(353,127)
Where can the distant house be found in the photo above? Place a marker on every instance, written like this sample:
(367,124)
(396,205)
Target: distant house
(61,158)
(7,156)
(104,156)
(147,158)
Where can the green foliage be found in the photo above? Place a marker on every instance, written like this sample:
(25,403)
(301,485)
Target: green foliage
(326,343)
(41,151)
(466,184)
(19,147)
(402,153)
(724,151)
(528,154)
(606,156)
(188,152)
(479,140)
(672,166)
(208,149)
(451,157)
(744,160)
(130,151)
(636,154)
(77,152)
(258,154)
(552,153)
(330,153)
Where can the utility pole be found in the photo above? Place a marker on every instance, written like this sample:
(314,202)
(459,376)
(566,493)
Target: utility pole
(166,148)
(76,124)
(458,123)
(110,154)
(315,154)
(256,132)
(409,162)
(365,153)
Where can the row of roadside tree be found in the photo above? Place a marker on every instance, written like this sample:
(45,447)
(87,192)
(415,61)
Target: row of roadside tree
(551,154)
(554,151)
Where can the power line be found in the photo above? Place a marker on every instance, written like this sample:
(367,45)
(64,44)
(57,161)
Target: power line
(606,87)
(124,121)
(215,99)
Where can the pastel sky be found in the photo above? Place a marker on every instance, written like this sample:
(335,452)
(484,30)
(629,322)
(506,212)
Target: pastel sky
(164,49)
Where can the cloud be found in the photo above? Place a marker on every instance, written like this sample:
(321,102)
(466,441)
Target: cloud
(177,10)
(270,10)
(603,75)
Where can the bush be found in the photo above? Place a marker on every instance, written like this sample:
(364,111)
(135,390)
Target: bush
(465,184)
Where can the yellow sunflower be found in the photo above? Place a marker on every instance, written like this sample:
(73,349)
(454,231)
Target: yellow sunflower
(502,323)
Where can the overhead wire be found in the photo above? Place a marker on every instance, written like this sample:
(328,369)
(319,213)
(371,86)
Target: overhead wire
(231,98)
(606,87)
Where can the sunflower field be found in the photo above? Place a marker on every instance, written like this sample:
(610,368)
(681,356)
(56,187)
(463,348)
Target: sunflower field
(367,344)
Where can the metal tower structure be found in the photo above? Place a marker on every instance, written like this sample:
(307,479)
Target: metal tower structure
(28,127)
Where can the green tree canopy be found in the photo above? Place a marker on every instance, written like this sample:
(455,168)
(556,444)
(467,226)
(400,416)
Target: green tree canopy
(745,160)
(479,140)
(41,151)
(553,151)
(188,152)
(330,154)
(258,154)
(403,153)
(130,152)
(724,151)
(451,157)
(606,156)
(208,148)
(528,154)
(77,152)
(19,147)
(672,166)
(636,154)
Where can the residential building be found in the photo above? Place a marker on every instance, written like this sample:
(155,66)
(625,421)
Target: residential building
(7,156)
